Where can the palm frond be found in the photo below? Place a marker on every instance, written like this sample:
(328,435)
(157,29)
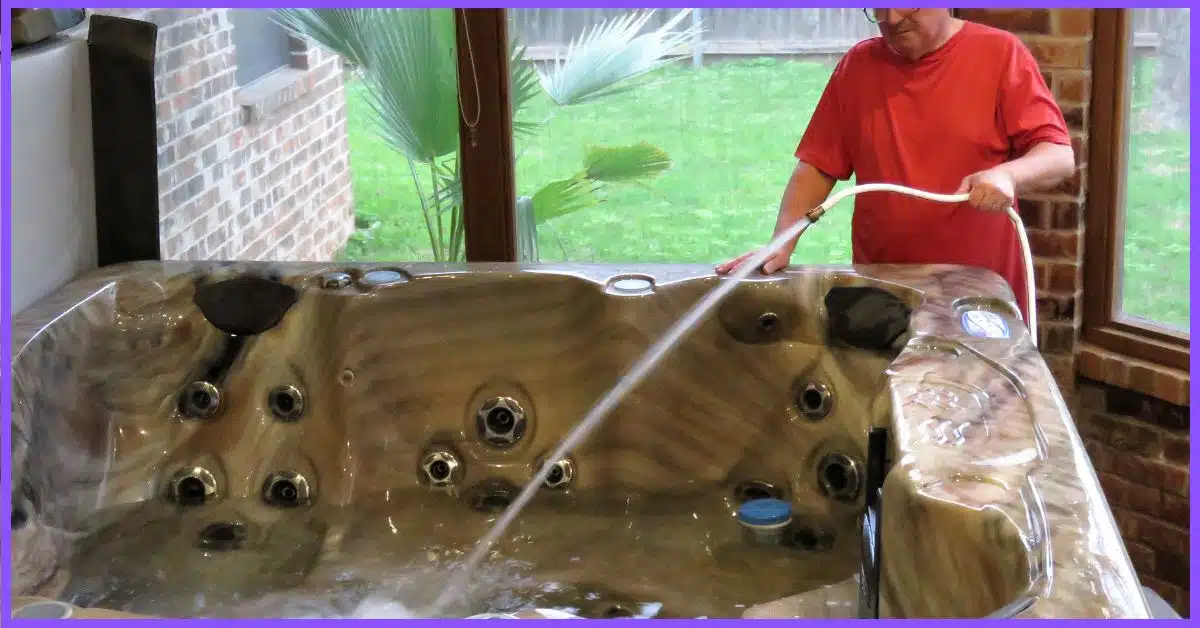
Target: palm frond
(449,193)
(625,164)
(606,56)
(524,86)
(566,196)
(412,81)
(342,31)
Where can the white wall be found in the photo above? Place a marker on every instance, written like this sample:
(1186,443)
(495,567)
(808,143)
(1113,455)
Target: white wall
(53,203)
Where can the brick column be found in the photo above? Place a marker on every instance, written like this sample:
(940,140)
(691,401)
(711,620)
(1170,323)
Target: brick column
(254,172)
(1138,441)
(1060,40)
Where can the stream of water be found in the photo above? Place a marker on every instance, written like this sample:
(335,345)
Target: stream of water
(632,377)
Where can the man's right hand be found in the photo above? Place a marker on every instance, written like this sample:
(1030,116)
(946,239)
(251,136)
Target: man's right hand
(806,189)
(777,261)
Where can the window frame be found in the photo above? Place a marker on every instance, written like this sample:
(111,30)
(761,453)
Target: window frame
(289,47)
(485,155)
(1103,325)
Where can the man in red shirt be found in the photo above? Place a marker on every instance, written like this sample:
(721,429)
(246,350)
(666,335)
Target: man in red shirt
(941,105)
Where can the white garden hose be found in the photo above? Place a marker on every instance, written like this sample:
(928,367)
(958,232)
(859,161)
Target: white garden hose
(1030,285)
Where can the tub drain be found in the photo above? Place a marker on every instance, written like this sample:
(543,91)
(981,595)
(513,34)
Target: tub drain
(756,489)
(491,499)
(223,536)
(616,611)
(809,539)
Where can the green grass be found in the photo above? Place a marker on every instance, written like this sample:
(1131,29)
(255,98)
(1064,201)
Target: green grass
(1157,220)
(730,130)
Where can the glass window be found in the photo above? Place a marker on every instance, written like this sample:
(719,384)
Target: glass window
(1153,221)
(668,135)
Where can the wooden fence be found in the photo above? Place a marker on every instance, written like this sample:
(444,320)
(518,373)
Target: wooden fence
(745,31)
(727,32)
(1160,35)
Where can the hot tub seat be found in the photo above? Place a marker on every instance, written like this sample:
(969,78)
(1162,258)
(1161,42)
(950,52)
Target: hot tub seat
(988,478)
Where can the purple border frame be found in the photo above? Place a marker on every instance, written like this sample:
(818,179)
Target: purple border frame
(6,348)
(6,304)
(1193,360)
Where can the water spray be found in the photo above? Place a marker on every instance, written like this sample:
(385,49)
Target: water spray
(667,342)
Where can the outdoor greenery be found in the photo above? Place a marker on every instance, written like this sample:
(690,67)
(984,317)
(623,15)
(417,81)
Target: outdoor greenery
(1155,260)
(409,72)
(730,130)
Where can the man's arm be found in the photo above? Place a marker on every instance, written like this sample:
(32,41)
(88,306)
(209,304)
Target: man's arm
(823,157)
(1044,166)
(1035,125)
(805,189)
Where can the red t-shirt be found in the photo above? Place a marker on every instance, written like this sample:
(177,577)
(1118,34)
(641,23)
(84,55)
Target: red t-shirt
(976,102)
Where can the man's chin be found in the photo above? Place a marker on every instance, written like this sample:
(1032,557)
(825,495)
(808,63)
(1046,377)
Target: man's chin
(901,47)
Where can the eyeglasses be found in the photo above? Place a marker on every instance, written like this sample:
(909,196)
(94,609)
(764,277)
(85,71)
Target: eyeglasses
(876,16)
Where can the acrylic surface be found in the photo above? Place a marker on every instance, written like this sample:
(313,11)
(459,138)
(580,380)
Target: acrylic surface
(205,440)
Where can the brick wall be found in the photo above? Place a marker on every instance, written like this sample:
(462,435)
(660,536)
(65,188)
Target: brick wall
(1133,416)
(1060,39)
(1139,445)
(257,172)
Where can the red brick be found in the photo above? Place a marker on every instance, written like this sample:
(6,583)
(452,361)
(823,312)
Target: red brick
(1056,338)
(1073,22)
(1054,244)
(1040,244)
(1072,87)
(1091,364)
(1141,377)
(1062,367)
(1066,215)
(1125,435)
(1141,556)
(1080,145)
(1101,455)
(1036,21)
(1161,536)
(1063,276)
(1153,473)
(1170,385)
(1060,53)
(1146,408)
(1175,509)
(1035,214)
(1091,396)
(1075,116)
(1176,449)
(200,125)
(1116,372)
(1122,492)
(1127,523)
(1053,307)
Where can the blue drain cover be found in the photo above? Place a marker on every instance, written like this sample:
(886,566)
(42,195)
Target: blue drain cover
(764,512)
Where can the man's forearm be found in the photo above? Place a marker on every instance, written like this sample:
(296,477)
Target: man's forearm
(1044,166)
(807,188)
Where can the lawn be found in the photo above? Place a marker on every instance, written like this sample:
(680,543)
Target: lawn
(730,130)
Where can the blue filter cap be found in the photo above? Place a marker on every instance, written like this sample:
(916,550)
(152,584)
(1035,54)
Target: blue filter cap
(764,512)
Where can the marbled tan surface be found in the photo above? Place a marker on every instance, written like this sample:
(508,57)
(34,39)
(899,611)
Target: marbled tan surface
(990,497)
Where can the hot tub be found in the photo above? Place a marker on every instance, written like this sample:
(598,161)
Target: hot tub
(304,440)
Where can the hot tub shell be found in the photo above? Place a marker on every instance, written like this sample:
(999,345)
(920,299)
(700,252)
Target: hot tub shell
(989,500)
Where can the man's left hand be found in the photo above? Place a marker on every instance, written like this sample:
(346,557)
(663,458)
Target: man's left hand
(990,190)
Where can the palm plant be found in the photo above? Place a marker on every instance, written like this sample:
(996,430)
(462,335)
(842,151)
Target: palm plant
(409,70)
